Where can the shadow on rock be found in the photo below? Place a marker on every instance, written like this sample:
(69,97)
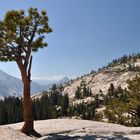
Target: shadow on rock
(58,136)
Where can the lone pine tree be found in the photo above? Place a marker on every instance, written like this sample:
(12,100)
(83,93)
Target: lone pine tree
(20,35)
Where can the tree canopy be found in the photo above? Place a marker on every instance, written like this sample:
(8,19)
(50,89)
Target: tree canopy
(20,34)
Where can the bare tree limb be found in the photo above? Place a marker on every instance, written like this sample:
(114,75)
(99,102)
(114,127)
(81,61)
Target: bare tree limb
(29,69)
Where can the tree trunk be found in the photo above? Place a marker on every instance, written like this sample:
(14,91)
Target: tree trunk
(28,127)
(28,124)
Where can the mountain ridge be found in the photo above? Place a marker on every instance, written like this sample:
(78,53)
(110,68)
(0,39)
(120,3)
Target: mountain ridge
(13,86)
(117,72)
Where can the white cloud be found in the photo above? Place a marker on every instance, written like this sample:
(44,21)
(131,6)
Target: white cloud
(49,78)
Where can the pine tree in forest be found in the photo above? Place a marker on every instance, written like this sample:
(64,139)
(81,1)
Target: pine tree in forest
(78,94)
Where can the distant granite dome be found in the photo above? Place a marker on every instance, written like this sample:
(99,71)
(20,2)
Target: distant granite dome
(64,80)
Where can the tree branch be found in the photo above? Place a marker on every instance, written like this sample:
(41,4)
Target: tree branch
(27,57)
(29,45)
(5,52)
(29,69)
(21,34)
(34,30)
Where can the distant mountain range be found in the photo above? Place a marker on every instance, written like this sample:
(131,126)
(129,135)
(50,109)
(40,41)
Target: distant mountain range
(12,86)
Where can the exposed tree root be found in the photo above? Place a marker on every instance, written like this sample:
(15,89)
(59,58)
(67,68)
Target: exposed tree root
(31,133)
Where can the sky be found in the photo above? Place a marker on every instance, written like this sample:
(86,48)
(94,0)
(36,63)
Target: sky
(87,34)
